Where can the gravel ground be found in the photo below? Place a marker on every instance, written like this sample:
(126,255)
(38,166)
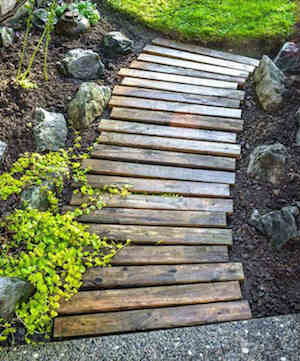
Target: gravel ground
(264,339)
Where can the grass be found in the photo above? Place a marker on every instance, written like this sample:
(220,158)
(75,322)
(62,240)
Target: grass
(214,20)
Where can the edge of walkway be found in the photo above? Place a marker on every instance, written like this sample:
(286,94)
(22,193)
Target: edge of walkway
(264,339)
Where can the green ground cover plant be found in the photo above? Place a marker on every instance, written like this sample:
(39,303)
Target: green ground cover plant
(214,20)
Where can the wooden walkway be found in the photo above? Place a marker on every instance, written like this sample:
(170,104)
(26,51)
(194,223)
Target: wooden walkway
(173,129)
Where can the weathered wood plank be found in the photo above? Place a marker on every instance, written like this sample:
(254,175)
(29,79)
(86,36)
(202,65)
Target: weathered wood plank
(149,156)
(183,88)
(159,202)
(163,235)
(177,70)
(121,126)
(106,167)
(154,218)
(177,120)
(142,320)
(177,78)
(209,52)
(175,97)
(159,186)
(238,69)
(150,297)
(138,276)
(171,144)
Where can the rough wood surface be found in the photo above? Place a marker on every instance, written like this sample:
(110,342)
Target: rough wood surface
(150,156)
(136,92)
(179,70)
(159,202)
(183,88)
(138,276)
(121,126)
(163,235)
(177,78)
(97,166)
(171,144)
(237,69)
(177,120)
(159,186)
(152,217)
(150,297)
(141,320)
(209,52)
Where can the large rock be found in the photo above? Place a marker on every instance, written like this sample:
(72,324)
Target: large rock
(6,6)
(268,163)
(12,290)
(36,197)
(279,226)
(270,84)
(72,24)
(116,43)
(51,132)
(7,36)
(88,103)
(288,58)
(3,147)
(82,64)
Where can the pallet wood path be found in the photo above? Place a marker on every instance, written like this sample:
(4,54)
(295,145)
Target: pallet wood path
(171,140)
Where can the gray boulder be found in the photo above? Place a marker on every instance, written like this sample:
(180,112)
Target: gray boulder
(12,291)
(279,226)
(288,58)
(88,103)
(72,24)
(3,147)
(6,6)
(270,84)
(268,163)
(116,43)
(35,197)
(51,132)
(82,64)
(7,36)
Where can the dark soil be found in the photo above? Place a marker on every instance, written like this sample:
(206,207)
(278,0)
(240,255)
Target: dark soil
(272,283)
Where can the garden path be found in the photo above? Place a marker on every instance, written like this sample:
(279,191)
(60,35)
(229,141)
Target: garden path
(173,126)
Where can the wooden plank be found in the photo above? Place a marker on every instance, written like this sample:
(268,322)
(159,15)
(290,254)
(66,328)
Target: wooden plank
(177,78)
(152,217)
(204,51)
(183,88)
(159,186)
(120,126)
(177,70)
(138,276)
(171,144)
(106,167)
(163,235)
(149,156)
(238,69)
(138,201)
(142,320)
(175,97)
(150,297)
(177,120)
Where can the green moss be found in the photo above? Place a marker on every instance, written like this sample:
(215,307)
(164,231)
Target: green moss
(214,20)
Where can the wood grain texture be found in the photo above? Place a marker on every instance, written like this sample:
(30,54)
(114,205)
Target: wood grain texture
(209,52)
(154,218)
(142,320)
(136,92)
(138,276)
(171,144)
(121,126)
(150,297)
(158,202)
(177,78)
(183,88)
(163,235)
(177,120)
(150,156)
(179,70)
(159,186)
(125,169)
(237,69)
